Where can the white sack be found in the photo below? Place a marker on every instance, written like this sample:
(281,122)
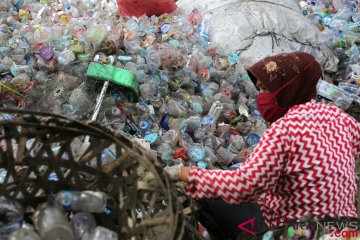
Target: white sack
(253,28)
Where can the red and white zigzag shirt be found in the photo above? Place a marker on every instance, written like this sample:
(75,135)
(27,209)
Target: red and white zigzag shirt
(304,164)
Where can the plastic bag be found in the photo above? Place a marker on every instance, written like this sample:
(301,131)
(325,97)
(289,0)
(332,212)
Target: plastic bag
(138,8)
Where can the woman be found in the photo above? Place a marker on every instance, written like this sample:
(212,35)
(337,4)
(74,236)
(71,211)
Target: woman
(304,163)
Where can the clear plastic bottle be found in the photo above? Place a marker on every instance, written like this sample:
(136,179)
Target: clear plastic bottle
(236,144)
(101,233)
(175,109)
(205,29)
(42,35)
(340,97)
(344,12)
(153,59)
(328,37)
(88,201)
(51,223)
(225,155)
(71,10)
(5,4)
(24,234)
(83,223)
(14,213)
(66,57)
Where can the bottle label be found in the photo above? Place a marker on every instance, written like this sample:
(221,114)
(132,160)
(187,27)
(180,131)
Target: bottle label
(327,90)
(197,154)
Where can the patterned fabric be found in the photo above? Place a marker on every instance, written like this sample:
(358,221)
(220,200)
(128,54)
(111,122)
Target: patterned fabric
(296,73)
(304,164)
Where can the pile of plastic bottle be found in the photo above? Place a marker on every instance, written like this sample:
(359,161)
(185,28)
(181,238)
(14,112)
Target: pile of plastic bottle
(197,106)
(50,221)
(339,23)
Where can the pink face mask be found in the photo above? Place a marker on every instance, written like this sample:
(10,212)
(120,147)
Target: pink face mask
(267,105)
(268,108)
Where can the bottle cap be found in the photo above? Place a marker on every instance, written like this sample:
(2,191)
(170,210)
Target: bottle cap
(46,52)
(165,27)
(124,58)
(204,74)
(115,111)
(164,123)
(233,58)
(202,165)
(66,199)
(144,125)
(152,137)
(252,140)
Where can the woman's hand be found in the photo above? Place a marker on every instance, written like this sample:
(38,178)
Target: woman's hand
(178,172)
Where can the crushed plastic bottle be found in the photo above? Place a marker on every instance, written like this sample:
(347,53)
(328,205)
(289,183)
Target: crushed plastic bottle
(51,223)
(82,224)
(80,201)
(339,96)
(101,233)
(24,234)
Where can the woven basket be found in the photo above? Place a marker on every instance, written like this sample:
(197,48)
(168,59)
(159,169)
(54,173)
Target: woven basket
(36,146)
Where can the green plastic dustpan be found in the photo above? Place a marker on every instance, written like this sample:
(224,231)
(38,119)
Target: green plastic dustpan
(117,76)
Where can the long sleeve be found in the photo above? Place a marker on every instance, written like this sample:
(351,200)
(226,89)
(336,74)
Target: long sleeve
(354,129)
(258,174)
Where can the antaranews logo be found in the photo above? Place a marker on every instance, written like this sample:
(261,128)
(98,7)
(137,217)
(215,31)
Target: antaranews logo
(252,224)
(335,229)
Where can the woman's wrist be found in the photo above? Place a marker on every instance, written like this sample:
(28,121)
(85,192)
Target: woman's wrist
(184,173)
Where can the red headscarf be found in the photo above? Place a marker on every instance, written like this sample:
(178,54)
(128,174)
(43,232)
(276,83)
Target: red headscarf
(300,70)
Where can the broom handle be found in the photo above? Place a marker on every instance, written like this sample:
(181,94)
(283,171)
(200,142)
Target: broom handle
(98,103)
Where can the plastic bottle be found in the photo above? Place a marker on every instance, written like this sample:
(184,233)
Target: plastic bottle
(356,17)
(328,37)
(225,155)
(42,35)
(5,4)
(165,152)
(82,224)
(88,201)
(101,233)
(340,97)
(66,57)
(131,42)
(71,10)
(108,156)
(153,59)
(14,213)
(344,13)
(175,109)
(205,29)
(24,234)
(51,223)
(236,144)
(19,69)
